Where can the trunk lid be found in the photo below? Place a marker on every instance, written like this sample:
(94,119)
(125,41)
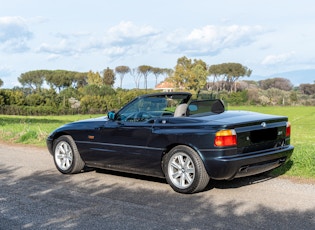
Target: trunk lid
(255,131)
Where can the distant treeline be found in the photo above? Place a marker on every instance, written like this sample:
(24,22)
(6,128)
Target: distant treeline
(93,99)
(69,92)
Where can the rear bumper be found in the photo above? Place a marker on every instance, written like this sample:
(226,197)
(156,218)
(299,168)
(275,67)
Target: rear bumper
(229,167)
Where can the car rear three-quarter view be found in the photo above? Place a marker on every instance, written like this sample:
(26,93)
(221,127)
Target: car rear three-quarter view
(169,135)
(247,144)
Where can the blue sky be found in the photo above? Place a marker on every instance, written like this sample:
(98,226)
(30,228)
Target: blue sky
(266,36)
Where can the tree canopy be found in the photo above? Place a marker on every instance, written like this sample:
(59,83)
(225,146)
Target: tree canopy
(278,83)
(33,79)
(109,77)
(191,75)
(226,74)
(61,79)
(94,78)
(145,70)
(122,71)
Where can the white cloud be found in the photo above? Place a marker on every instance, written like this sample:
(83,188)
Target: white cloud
(277,59)
(127,33)
(212,39)
(115,51)
(119,39)
(63,47)
(66,45)
(14,34)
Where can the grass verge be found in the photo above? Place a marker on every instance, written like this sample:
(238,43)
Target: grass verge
(33,130)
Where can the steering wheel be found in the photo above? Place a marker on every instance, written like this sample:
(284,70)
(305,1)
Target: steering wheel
(144,116)
(137,117)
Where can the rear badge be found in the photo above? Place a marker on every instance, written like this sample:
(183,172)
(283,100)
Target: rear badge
(263,124)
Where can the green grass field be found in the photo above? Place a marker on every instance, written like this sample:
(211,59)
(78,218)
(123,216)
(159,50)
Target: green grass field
(34,130)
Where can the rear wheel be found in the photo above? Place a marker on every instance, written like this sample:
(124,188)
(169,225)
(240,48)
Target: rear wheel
(66,155)
(184,170)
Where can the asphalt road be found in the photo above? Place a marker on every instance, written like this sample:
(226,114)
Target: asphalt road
(34,195)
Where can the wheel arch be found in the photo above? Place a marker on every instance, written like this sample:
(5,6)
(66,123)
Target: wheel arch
(170,147)
(59,134)
(53,138)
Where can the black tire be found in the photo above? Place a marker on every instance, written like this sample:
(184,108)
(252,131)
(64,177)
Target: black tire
(184,170)
(66,155)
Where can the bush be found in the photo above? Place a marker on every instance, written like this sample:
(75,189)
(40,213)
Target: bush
(237,98)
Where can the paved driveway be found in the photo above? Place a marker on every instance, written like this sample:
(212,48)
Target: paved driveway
(34,195)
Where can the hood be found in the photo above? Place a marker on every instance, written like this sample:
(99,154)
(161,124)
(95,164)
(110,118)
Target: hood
(104,118)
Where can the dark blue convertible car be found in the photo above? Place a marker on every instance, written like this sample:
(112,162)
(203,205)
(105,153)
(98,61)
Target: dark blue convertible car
(169,135)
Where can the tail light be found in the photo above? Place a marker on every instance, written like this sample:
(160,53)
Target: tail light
(288,130)
(225,137)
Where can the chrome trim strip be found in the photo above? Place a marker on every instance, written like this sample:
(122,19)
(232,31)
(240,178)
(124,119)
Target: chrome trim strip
(119,145)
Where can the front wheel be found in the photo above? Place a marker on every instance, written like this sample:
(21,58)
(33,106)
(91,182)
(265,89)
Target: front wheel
(66,155)
(184,170)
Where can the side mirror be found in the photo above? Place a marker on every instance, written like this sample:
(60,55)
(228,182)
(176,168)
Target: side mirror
(111,115)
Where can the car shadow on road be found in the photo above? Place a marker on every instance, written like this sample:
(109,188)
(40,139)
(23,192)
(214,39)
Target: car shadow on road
(131,175)
(218,184)
(237,182)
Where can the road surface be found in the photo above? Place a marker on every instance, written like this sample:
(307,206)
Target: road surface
(34,195)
